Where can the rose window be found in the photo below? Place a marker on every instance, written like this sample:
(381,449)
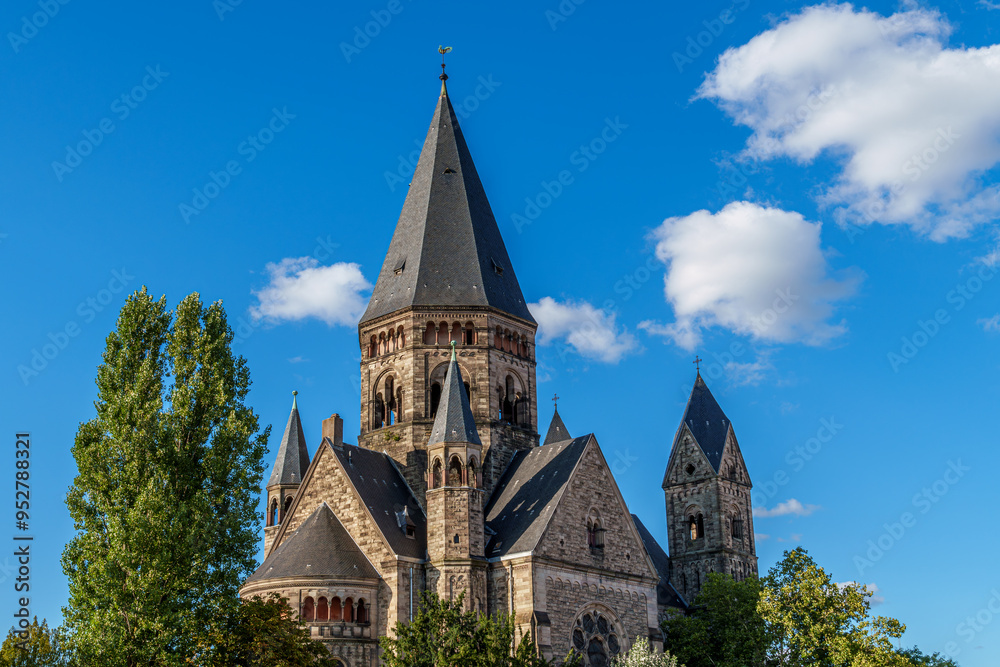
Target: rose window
(596,639)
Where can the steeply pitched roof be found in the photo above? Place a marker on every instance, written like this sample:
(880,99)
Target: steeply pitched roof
(526,496)
(557,430)
(666,594)
(447,249)
(321,547)
(385,494)
(293,457)
(707,421)
(454,421)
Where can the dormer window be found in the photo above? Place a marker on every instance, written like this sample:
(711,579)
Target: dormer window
(400,265)
(497,269)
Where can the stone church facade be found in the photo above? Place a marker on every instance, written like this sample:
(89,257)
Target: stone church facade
(449,488)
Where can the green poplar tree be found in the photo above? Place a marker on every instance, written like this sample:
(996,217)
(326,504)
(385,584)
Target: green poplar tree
(165,499)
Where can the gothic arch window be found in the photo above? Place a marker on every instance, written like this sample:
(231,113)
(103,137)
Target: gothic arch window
(308,610)
(508,400)
(595,530)
(470,333)
(696,525)
(473,473)
(435,398)
(436,474)
(288,506)
(379,411)
(455,472)
(597,636)
(429,334)
(336,610)
(272,513)
(348,610)
(322,610)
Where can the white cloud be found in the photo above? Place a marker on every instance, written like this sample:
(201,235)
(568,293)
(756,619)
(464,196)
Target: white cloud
(914,122)
(755,270)
(789,507)
(760,537)
(990,324)
(300,288)
(590,331)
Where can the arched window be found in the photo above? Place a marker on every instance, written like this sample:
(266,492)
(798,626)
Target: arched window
(436,474)
(272,513)
(435,398)
(390,396)
(700,526)
(400,338)
(455,472)
(349,610)
(322,611)
(508,401)
(737,525)
(468,392)
(595,530)
(379,411)
(363,612)
(456,333)
(498,339)
(308,610)
(506,340)
(429,334)
(284,511)
(597,637)
(442,337)
(470,333)
(472,474)
(372,346)
(336,611)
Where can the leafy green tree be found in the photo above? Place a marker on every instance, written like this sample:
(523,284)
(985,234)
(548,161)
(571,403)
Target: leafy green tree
(165,499)
(263,632)
(443,635)
(921,659)
(723,628)
(822,624)
(43,647)
(640,655)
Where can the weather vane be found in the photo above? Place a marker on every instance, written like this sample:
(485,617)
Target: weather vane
(443,50)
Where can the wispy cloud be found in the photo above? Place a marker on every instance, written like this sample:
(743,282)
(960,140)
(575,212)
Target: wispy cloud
(990,324)
(789,507)
(300,288)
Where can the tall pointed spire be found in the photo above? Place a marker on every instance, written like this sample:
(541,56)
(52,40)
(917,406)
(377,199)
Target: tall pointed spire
(707,422)
(557,430)
(293,457)
(447,249)
(454,421)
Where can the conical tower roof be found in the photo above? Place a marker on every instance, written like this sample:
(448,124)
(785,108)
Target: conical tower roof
(447,249)
(707,422)
(293,456)
(454,421)
(557,430)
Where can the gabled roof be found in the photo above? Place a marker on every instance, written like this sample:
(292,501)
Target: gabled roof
(454,421)
(321,547)
(666,594)
(707,422)
(528,493)
(293,457)
(447,249)
(557,430)
(385,494)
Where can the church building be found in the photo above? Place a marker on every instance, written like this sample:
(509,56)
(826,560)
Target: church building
(449,488)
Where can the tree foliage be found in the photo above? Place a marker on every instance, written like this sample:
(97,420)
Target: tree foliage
(43,647)
(442,634)
(819,623)
(921,659)
(723,628)
(262,632)
(164,502)
(641,655)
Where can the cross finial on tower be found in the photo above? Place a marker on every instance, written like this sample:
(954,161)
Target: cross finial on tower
(697,363)
(555,401)
(443,50)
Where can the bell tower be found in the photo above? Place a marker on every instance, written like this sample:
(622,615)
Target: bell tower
(707,491)
(447,282)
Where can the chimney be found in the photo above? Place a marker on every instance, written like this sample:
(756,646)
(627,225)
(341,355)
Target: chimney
(333,428)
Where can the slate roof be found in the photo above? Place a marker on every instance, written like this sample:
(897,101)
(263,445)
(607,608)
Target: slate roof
(321,547)
(666,594)
(293,457)
(707,421)
(454,421)
(526,496)
(447,249)
(385,494)
(557,430)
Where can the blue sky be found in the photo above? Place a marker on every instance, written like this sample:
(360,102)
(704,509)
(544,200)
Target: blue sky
(804,196)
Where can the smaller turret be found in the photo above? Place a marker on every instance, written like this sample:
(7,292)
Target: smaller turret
(289,468)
